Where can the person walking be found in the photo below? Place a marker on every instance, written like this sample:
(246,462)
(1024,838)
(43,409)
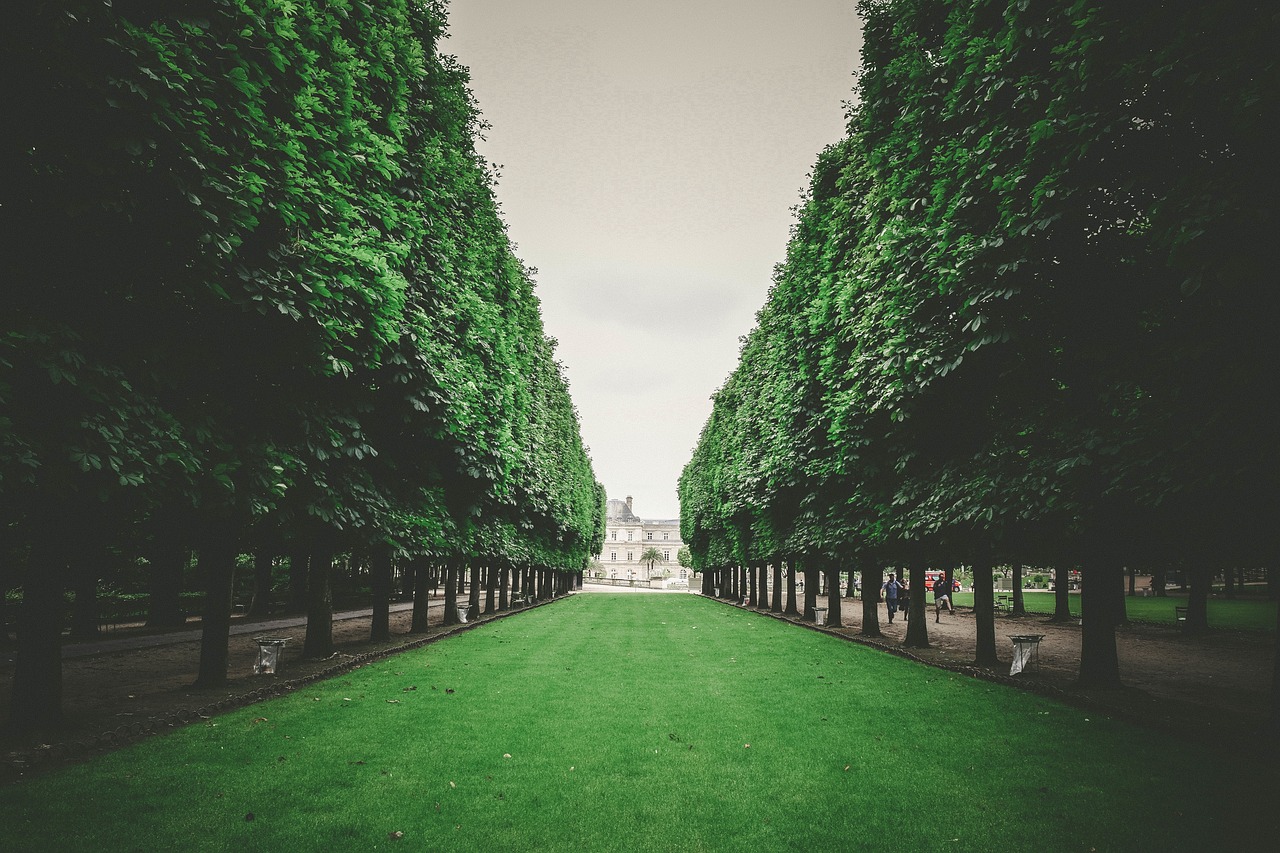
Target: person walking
(891,589)
(942,598)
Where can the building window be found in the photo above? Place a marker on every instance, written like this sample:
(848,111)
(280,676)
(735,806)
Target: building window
(683,574)
(613,534)
(664,536)
(613,556)
(628,535)
(628,556)
(666,555)
(648,534)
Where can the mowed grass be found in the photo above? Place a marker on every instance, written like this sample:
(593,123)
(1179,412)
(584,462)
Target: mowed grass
(637,722)
(1241,614)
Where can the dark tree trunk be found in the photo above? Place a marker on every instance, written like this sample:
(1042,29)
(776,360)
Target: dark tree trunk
(849,587)
(36,702)
(319,637)
(1157,583)
(168,565)
(833,596)
(1273,585)
(791,608)
(1229,582)
(421,596)
(5,642)
(405,567)
(917,624)
(84,611)
(217,564)
(776,603)
(1019,605)
(762,586)
(984,613)
(504,572)
(811,583)
(872,579)
(260,605)
(451,593)
(1133,580)
(490,589)
(473,590)
(1198,599)
(298,571)
(1061,594)
(380,586)
(1119,610)
(1099,662)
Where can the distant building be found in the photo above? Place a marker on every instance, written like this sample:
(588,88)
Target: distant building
(627,537)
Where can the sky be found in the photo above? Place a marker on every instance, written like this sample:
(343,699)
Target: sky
(650,154)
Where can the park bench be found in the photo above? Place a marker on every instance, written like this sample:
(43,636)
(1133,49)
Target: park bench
(1004,604)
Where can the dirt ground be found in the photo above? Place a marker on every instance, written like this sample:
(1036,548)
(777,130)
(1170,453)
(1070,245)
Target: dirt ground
(1214,687)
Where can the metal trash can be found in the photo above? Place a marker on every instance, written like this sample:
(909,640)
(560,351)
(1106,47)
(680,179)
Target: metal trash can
(819,615)
(268,654)
(1026,652)
(463,611)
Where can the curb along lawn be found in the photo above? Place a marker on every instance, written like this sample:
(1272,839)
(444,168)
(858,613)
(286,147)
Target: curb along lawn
(1240,614)
(656,722)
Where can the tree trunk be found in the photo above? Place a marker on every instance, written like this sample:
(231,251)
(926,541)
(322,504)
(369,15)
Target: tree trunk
(762,586)
(791,609)
(421,596)
(380,586)
(984,613)
(298,571)
(811,584)
(490,589)
(84,612)
(1133,580)
(319,636)
(217,563)
(36,702)
(1019,605)
(1198,599)
(776,603)
(473,589)
(504,572)
(1273,586)
(451,593)
(260,604)
(850,588)
(1119,611)
(168,565)
(1099,662)
(917,622)
(1061,594)
(833,596)
(1229,582)
(872,578)
(1157,583)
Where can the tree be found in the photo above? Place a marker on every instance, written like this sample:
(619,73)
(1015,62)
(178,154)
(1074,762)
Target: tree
(652,556)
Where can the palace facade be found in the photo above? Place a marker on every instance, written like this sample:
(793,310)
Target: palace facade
(627,537)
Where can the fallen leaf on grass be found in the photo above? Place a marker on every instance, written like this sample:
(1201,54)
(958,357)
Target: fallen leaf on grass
(506,755)
(249,817)
(414,687)
(260,720)
(452,785)
(846,768)
(395,836)
(448,690)
(393,701)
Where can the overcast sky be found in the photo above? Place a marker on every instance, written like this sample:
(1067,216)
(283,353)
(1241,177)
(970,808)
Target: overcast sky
(650,154)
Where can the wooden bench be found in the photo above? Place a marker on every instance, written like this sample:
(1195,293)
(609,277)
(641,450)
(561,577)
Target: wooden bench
(1004,604)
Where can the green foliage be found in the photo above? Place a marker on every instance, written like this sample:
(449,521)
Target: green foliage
(291,308)
(992,331)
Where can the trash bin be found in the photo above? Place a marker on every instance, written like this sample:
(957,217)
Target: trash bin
(819,615)
(463,611)
(268,654)
(1026,652)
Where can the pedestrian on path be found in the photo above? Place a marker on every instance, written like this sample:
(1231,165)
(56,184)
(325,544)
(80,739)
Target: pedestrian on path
(942,598)
(891,589)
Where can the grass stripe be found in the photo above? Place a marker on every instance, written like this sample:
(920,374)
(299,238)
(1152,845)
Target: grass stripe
(627,719)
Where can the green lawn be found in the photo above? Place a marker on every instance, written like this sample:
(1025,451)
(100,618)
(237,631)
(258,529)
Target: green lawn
(636,722)
(1247,614)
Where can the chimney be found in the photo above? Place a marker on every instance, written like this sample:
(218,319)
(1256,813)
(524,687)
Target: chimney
(628,503)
